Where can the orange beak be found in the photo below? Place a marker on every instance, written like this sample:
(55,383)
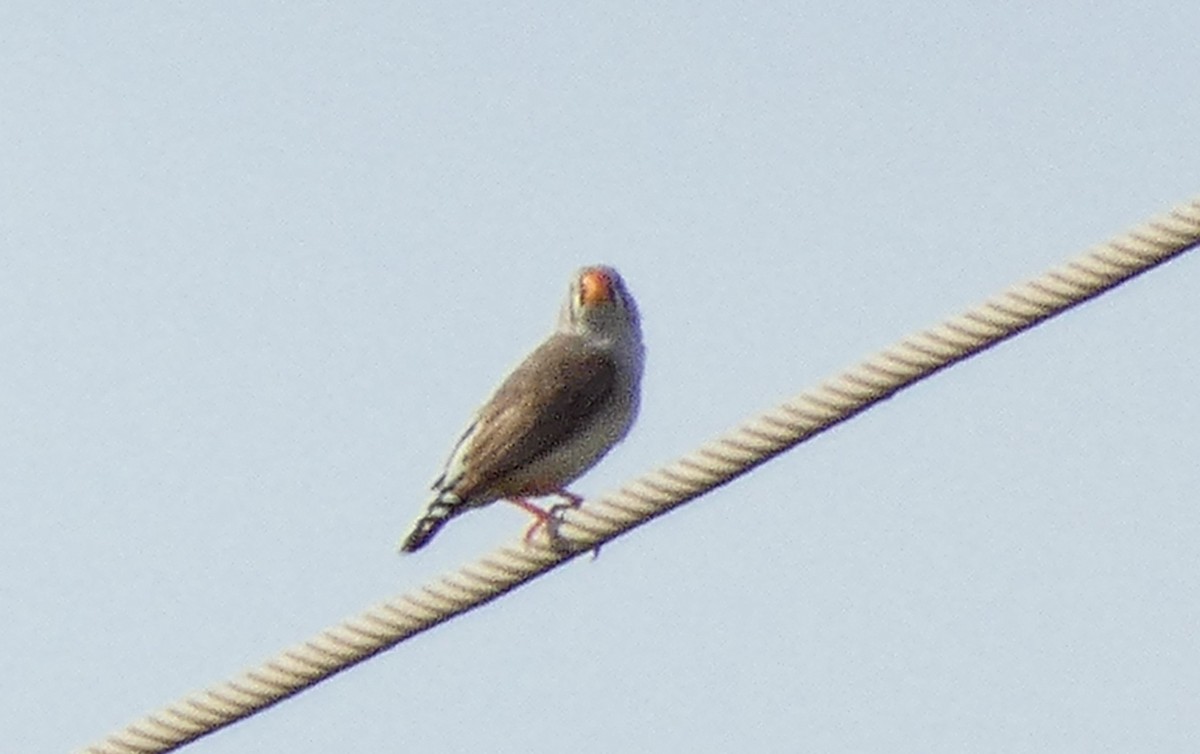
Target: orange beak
(595,288)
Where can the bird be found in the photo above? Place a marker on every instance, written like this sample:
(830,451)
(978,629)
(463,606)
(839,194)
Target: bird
(554,417)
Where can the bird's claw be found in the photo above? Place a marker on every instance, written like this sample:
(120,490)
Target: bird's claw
(555,519)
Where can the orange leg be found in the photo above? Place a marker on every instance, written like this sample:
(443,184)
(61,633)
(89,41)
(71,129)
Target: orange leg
(540,517)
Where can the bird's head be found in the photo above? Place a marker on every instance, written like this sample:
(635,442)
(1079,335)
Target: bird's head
(599,304)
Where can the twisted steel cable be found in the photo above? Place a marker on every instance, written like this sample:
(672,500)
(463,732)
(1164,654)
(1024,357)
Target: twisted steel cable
(714,464)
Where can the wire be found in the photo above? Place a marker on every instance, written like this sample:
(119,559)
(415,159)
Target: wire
(714,464)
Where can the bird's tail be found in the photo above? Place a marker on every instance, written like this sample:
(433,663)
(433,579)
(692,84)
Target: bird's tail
(441,509)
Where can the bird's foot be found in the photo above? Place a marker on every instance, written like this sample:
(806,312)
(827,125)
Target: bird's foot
(557,516)
(552,520)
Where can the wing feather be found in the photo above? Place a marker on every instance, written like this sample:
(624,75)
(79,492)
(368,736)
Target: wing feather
(557,391)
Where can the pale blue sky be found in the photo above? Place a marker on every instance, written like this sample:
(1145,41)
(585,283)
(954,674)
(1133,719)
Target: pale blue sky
(258,265)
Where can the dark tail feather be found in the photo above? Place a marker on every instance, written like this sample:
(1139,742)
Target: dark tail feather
(443,508)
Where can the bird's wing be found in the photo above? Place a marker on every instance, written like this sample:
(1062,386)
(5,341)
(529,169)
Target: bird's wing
(553,394)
